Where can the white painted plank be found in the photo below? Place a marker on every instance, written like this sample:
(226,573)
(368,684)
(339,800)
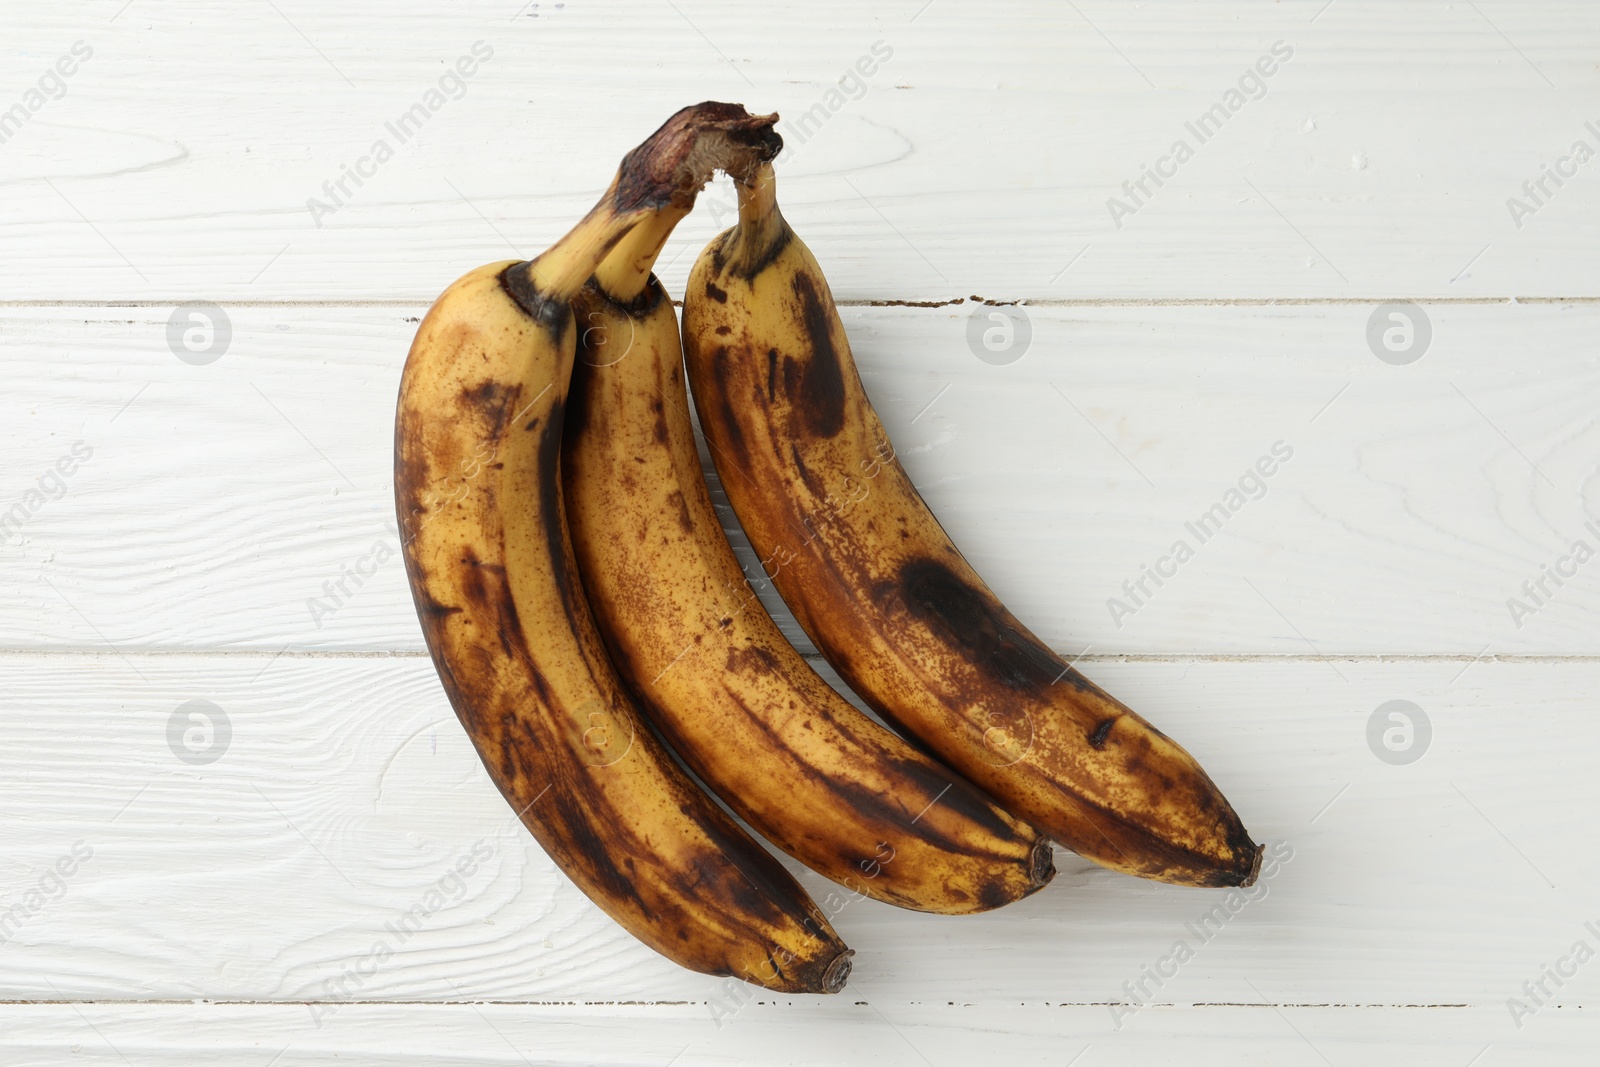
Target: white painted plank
(1418,500)
(346,792)
(824,1034)
(980,158)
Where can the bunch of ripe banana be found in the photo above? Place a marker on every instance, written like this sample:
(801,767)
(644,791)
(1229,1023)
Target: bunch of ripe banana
(585,611)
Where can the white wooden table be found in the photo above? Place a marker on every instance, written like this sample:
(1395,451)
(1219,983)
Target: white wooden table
(173,515)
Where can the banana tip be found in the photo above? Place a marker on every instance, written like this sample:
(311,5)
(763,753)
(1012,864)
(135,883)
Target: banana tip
(1042,863)
(838,972)
(1255,868)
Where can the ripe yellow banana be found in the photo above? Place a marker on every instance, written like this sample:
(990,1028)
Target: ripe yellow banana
(796,761)
(478,493)
(879,587)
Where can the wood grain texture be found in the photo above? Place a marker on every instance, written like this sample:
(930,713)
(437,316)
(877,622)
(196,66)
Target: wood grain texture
(346,793)
(1416,503)
(979,157)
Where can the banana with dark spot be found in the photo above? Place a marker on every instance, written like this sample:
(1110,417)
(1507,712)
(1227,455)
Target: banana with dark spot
(477,448)
(891,603)
(801,765)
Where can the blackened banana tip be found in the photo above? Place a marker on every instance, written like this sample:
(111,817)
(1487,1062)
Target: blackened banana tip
(1042,865)
(838,972)
(1255,868)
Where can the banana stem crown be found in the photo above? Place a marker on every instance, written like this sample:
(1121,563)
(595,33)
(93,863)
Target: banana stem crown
(654,188)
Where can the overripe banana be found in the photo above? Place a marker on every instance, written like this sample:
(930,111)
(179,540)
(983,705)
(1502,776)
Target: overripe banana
(879,587)
(478,494)
(797,762)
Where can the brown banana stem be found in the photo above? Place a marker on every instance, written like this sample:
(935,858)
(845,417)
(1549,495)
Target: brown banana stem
(655,186)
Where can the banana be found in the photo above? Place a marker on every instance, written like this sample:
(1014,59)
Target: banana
(710,669)
(478,494)
(891,603)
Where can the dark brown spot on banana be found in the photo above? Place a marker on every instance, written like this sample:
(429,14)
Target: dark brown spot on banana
(930,782)
(717,250)
(682,506)
(804,471)
(575,416)
(961,798)
(753,659)
(815,387)
(746,259)
(727,377)
(552,315)
(592,849)
(660,412)
(993,896)
(718,294)
(971,620)
(494,400)
(1102,731)
(773,250)
(428,606)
